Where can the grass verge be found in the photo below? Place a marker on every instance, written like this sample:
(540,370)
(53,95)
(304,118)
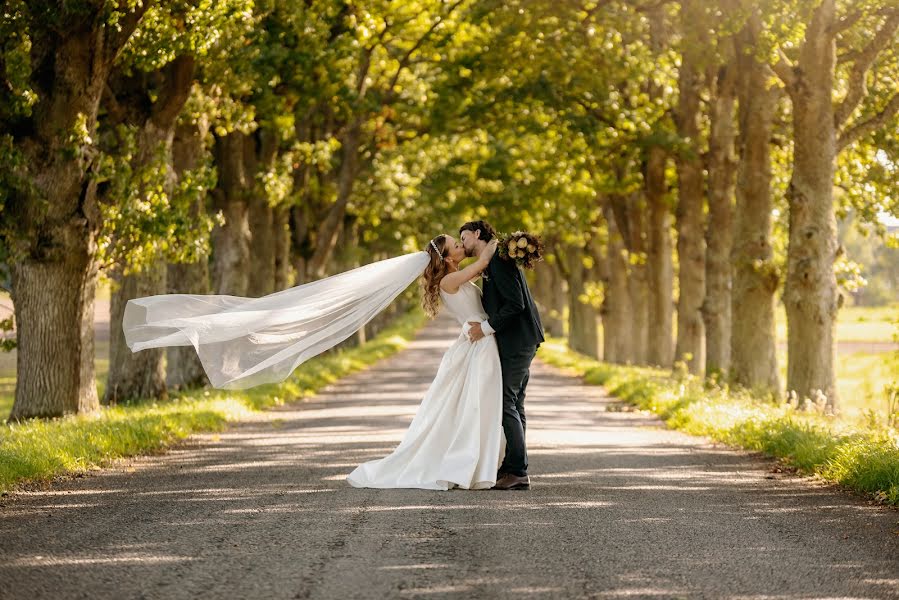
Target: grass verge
(862,457)
(38,450)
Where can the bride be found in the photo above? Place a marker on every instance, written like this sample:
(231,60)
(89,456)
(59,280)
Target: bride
(456,436)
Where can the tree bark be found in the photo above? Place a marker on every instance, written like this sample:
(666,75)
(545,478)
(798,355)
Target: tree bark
(183,366)
(300,243)
(631,215)
(326,236)
(660,269)
(54,314)
(261,217)
(755,278)
(583,326)
(617,333)
(134,375)
(261,220)
(690,346)
(659,265)
(549,292)
(282,248)
(231,241)
(810,292)
(716,309)
(52,224)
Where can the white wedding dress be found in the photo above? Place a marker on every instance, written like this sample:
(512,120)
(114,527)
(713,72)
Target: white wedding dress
(456,437)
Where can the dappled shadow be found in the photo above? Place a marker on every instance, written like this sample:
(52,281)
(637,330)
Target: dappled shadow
(620,506)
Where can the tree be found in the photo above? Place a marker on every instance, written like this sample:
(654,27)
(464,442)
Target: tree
(755,274)
(689,222)
(56,60)
(822,128)
(721,165)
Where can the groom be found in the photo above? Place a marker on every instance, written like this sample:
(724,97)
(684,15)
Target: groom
(513,319)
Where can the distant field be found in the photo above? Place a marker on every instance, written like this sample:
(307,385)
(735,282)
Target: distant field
(868,357)
(855,324)
(861,377)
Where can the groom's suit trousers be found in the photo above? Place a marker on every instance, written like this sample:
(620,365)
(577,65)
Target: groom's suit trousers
(516,372)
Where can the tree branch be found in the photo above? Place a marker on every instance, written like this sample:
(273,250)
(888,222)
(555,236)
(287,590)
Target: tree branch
(364,65)
(783,68)
(404,62)
(178,77)
(116,39)
(847,21)
(599,6)
(857,87)
(865,127)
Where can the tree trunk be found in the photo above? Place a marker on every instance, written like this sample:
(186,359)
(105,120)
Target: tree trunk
(716,309)
(583,326)
(282,248)
(755,278)
(659,266)
(326,236)
(52,222)
(617,334)
(54,314)
(261,220)
(689,218)
(183,367)
(231,241)
(549,293)
(141,374)
(810,292)
(660,269)
(631,212)
(261,217)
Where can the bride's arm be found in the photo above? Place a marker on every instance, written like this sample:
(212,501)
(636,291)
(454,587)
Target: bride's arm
(452,282)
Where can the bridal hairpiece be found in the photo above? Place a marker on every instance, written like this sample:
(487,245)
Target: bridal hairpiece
(433,245)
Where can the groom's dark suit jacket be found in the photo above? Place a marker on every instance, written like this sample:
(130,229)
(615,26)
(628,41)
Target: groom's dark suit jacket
(510,308)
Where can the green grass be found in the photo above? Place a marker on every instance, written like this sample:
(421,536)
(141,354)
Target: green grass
(38,450)
(861,378)
(854,323)
(864,457)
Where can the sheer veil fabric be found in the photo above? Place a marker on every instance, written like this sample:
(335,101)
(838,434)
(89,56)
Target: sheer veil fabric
(245,342)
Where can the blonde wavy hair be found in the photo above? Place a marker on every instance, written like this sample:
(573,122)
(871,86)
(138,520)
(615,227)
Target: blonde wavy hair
(433,274)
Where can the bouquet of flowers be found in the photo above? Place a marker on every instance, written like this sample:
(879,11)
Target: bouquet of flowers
(524,248)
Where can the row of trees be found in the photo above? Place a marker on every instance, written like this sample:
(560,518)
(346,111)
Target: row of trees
(239,147)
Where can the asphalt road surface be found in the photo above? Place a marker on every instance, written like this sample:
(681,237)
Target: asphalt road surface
(619,507)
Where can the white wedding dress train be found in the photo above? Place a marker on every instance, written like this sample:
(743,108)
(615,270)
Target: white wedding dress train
(456,436)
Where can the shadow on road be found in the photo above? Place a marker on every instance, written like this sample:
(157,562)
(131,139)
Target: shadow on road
(620,507)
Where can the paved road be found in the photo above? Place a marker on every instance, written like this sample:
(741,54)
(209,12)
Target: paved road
(619,507)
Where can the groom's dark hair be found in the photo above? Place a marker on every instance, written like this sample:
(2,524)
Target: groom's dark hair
(487,232)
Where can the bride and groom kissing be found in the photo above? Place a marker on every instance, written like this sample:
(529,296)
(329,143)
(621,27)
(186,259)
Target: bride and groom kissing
(469,430)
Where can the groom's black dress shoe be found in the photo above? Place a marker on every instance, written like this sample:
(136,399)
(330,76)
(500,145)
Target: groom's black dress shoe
(512,482)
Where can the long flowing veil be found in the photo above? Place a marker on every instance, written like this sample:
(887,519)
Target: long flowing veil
(245,342)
